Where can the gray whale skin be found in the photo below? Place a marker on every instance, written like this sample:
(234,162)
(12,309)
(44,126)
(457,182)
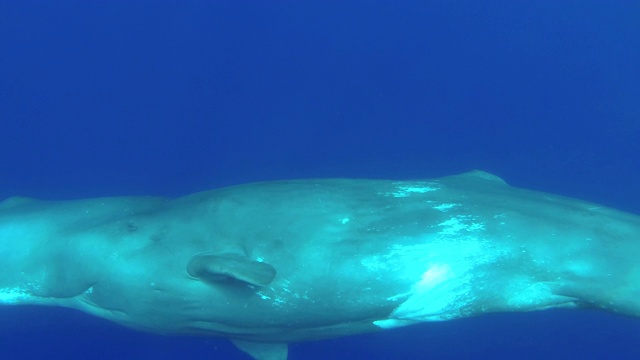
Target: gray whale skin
(270,263)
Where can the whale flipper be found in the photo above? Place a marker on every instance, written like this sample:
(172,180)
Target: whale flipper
(263,351)
(216,267)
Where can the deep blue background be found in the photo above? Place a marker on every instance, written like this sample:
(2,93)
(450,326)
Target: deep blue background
(102,98)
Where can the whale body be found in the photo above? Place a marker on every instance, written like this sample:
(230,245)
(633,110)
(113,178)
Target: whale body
(266,264)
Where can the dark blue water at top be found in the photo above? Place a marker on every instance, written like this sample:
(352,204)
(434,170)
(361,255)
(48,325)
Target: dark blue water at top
(169,98)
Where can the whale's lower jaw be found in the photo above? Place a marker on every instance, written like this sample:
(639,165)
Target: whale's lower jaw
(19,295)
(15,296)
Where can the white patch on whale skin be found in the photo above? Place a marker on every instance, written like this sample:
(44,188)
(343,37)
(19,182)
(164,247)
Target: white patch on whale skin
(404,189)
(444,207)
(442,269)
(430,297)
(263,296)
(14,295)
(434,275)
(278,296)
(386,324)
(458,224)
(398,255)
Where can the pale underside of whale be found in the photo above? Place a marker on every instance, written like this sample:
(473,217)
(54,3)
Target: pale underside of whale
(265,264)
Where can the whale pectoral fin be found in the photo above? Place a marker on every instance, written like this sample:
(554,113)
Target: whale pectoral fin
(263,351)
(217,267)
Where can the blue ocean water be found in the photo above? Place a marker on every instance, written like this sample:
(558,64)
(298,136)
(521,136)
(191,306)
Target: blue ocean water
(169,97)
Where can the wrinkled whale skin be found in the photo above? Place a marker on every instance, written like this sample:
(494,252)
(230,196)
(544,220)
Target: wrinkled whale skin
(269,263)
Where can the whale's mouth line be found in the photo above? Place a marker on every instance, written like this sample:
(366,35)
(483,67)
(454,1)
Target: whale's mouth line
(570,304)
